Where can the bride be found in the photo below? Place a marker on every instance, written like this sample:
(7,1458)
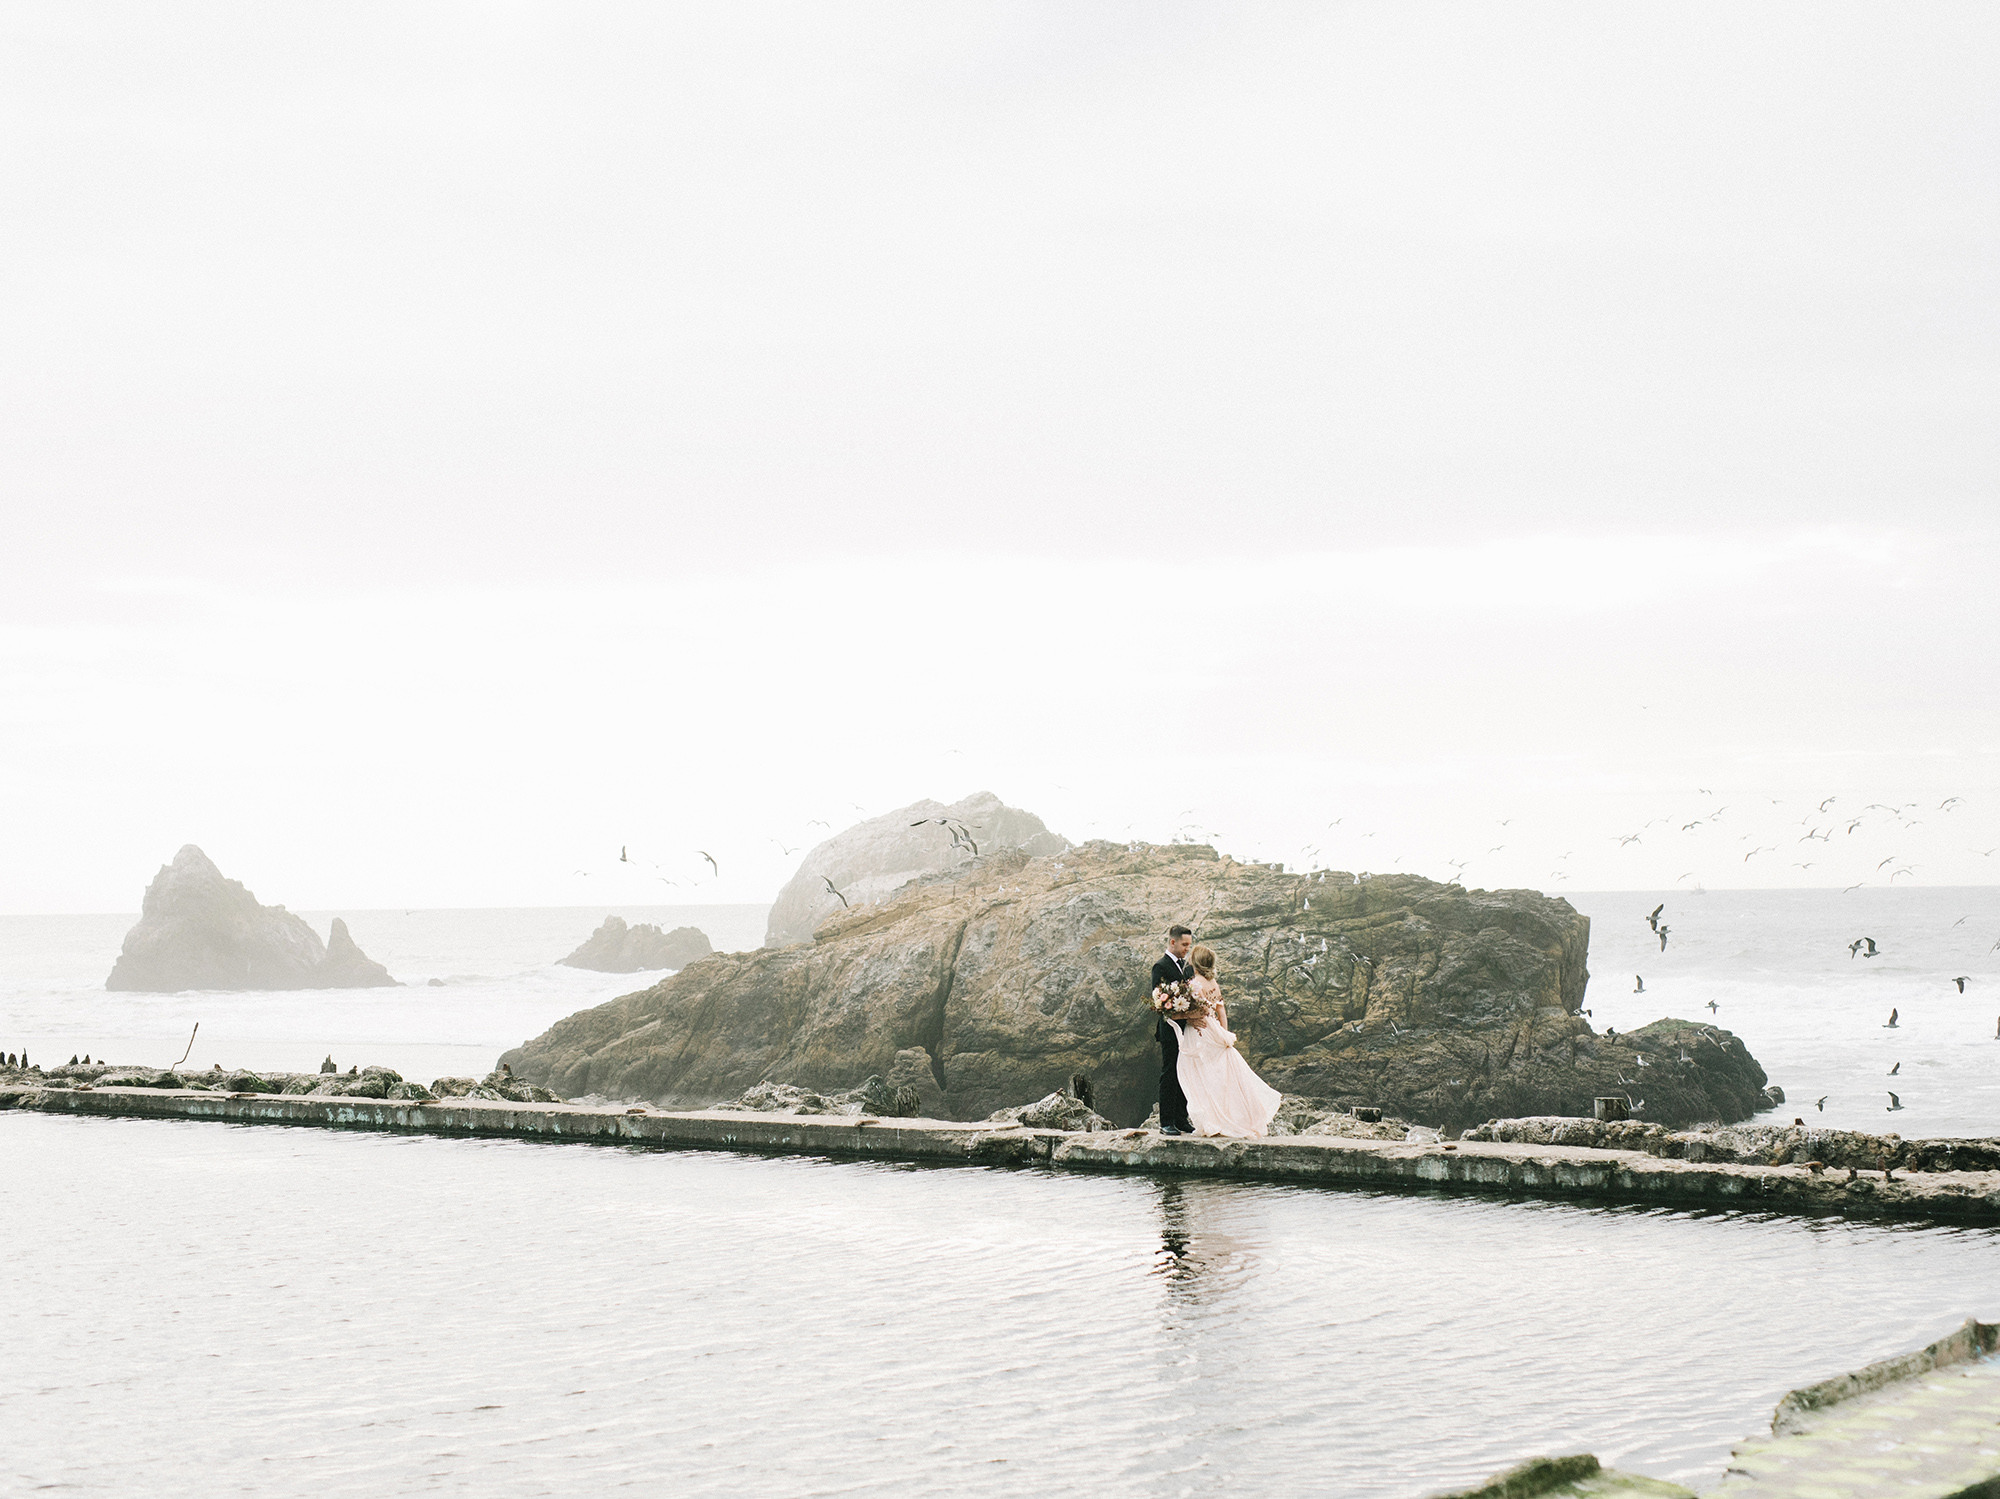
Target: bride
(1224,1097)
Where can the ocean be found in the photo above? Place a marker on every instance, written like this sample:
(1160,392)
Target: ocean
(212,1309)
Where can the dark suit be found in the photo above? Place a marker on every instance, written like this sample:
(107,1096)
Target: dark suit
(1173,1102)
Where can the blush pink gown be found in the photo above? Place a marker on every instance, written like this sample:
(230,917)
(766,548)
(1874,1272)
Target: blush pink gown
(1224,1097)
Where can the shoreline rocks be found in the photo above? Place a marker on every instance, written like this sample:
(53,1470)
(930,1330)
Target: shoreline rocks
(198,930)
(1002,978)
(1748,1145)
(617,948)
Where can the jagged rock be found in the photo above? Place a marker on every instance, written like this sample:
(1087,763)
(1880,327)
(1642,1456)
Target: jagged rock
(1319,1116)
(618,948)
(410,1092)
(872,859)
(1441,1006)
(911,1073)
(347,966)
(197,930)
(1060,1110)
(786,1098)
(453,1087)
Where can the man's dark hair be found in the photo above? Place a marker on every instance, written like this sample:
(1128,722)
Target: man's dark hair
(1176,932)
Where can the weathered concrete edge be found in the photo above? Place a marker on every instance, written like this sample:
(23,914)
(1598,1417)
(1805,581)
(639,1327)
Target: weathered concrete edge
(1500,1169)
(1974,1340)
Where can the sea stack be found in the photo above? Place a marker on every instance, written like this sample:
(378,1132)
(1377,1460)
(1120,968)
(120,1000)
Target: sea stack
(199,930)
(617,948)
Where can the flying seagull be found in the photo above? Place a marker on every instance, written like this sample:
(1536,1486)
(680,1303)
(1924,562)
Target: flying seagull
(1960,981)
(1663,937)
(621,855)
(1638,983)
(1713,1007)
(1895,1103)
(1820,1103)
(711,860)
(1891,1025)
(835,893)
(1653,917)
(1895,1069)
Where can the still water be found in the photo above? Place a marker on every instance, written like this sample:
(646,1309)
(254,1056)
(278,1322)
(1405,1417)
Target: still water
(212,1309)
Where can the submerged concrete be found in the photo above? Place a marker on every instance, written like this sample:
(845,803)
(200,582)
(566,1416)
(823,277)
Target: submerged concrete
(1553,1171)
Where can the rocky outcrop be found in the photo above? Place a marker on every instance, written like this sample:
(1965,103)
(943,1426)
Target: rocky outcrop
(1753,1145)
(618,948)
(1443,1006)
(198,930)
(347,966)
(871,860)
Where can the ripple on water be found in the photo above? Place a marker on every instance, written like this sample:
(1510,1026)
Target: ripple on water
(237,1309)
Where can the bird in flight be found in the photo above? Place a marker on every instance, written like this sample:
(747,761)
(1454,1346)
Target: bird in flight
(1820,1104)
(1713,1007)
(1960,981)
(1828,802)
(835,893)
(1653,916)
(1638,983)
(1893,1013)
(1628,838)
(1663,930)
(621,855)
(711,860)
(1895,1069)
(782,849)
(1860,942)
(1895,1103)
(1945,805)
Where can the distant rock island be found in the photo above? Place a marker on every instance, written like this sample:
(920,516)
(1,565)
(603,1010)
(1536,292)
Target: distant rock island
(198,930)
(618,948)
(874,858)
(1003,977)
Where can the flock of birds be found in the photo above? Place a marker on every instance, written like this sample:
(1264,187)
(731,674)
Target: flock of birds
(1861,947)
(1821,828)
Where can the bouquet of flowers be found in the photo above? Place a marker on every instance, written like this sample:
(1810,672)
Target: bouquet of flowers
(1175,1000)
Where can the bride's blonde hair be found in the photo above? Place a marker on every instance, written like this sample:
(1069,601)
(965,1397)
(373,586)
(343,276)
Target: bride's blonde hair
(1202,960)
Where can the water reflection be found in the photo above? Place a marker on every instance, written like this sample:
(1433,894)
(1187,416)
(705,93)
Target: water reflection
(378,1315)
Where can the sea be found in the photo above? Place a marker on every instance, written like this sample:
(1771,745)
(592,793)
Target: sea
(201,1308)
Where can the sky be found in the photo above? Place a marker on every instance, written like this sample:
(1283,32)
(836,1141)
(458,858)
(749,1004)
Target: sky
(441,444)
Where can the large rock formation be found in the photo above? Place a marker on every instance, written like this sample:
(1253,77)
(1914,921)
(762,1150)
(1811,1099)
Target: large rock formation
(618,948)
(198,930)
(1442,1005)
(872,859)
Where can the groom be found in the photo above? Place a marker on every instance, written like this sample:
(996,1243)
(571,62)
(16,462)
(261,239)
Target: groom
(1172,969)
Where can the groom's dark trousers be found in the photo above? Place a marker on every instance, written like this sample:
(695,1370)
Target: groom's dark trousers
(1173,1102)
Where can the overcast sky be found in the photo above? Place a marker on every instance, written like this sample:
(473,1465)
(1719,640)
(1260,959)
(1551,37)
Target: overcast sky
(442,443)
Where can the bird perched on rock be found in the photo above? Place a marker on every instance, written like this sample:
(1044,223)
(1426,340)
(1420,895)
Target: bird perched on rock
(1815,1167)
(327,1065)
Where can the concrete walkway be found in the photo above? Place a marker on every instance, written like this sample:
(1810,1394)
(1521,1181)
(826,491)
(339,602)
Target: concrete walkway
(1925,1426)
(1510,1169)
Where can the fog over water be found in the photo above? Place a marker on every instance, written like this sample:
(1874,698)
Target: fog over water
(474,469)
